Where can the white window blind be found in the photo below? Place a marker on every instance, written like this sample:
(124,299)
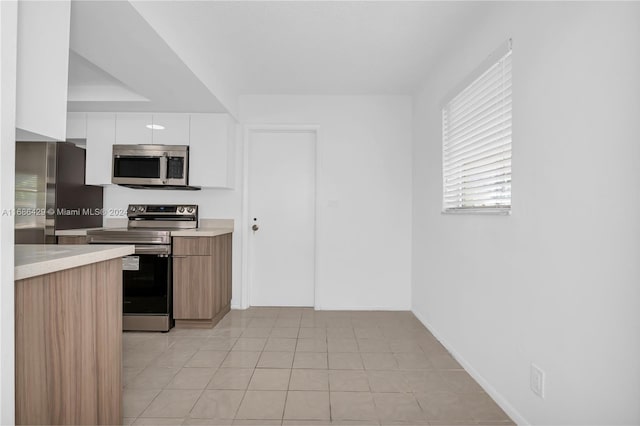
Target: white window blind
(476,135)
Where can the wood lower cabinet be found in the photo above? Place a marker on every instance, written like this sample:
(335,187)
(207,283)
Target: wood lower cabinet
(68,346)
(192,287)
(201,280)
(72,239)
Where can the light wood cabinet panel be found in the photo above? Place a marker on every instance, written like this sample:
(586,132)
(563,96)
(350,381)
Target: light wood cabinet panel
(31,360)
(72,239)
(69,346)
(192,246)
(192,287)
(222,273)
(108,332)
(201,282)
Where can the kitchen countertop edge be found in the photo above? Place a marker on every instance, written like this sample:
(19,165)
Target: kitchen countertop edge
(197,232)
(80,232)
(201,232)
(60,258)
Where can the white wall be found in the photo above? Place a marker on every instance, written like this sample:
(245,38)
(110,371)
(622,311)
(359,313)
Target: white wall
(363,193)
(8,43)
(557,282)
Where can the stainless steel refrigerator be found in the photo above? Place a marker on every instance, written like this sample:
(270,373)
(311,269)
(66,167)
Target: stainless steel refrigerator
(50,192)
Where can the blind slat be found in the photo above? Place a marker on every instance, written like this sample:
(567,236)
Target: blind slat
(478,183)
(480,130)
(476,131)
(503,172)
(496,141)
(471,156)
(501,188)
(480,98)
(496,106)
(495,164)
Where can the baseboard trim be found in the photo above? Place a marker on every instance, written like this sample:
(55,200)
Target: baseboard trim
(488,388)
(361,308)
(341,308)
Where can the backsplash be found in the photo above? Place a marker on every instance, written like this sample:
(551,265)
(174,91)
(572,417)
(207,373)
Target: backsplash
(212,203)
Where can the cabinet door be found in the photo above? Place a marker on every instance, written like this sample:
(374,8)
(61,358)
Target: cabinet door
(192,298)
(133,128)
(221,246)
(42,64)
(76,125)
(192,246)
(174,131)
(72,239)
(101,135)
(212,150)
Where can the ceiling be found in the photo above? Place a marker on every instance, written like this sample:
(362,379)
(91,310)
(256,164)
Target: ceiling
(118,62)
(172,52)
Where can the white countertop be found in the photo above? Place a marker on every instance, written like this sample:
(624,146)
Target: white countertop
(32,260)
(81,232)
(208,228)
(202,232)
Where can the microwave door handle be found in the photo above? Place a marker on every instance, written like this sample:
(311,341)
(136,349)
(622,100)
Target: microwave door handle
(163,167)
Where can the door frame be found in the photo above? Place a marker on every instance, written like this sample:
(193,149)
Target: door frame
(247,246)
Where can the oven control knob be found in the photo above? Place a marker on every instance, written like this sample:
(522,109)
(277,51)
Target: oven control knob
(140,209)
(132,208)
(181,209)
(190,210)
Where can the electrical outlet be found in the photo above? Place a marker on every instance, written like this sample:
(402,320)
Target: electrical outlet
(537,380)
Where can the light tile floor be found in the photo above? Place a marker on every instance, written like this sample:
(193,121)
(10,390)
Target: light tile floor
(293,366)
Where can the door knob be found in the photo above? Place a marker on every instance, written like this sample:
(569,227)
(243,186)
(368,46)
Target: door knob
(255,227)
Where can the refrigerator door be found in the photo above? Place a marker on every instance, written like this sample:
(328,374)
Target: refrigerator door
(35,192)
(50,192)
(77,205)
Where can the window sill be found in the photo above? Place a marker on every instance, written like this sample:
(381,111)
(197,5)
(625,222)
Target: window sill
(480,212)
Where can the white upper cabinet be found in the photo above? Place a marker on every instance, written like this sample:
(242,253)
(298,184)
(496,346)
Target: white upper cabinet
(211,139)
(42,70)
(77,125)
(212,150)
(147,128)
(134,128)
(101,135)
(170,129)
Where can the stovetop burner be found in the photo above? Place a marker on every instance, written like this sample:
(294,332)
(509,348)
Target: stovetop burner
(148,224)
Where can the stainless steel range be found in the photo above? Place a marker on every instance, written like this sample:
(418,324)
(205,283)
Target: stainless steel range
(147,275)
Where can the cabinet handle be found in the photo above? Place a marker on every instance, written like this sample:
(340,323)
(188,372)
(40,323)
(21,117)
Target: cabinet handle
(179,257)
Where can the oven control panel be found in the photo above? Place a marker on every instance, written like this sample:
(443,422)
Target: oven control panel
(151,211)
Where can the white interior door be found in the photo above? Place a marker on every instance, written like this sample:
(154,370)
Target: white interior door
(281,197)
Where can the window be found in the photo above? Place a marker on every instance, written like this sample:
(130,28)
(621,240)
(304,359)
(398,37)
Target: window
(476,140)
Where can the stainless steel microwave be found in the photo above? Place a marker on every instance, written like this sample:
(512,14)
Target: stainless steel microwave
(151,165)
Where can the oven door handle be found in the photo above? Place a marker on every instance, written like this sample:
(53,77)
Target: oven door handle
(159,249)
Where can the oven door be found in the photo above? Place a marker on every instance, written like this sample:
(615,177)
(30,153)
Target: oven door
(146,283)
